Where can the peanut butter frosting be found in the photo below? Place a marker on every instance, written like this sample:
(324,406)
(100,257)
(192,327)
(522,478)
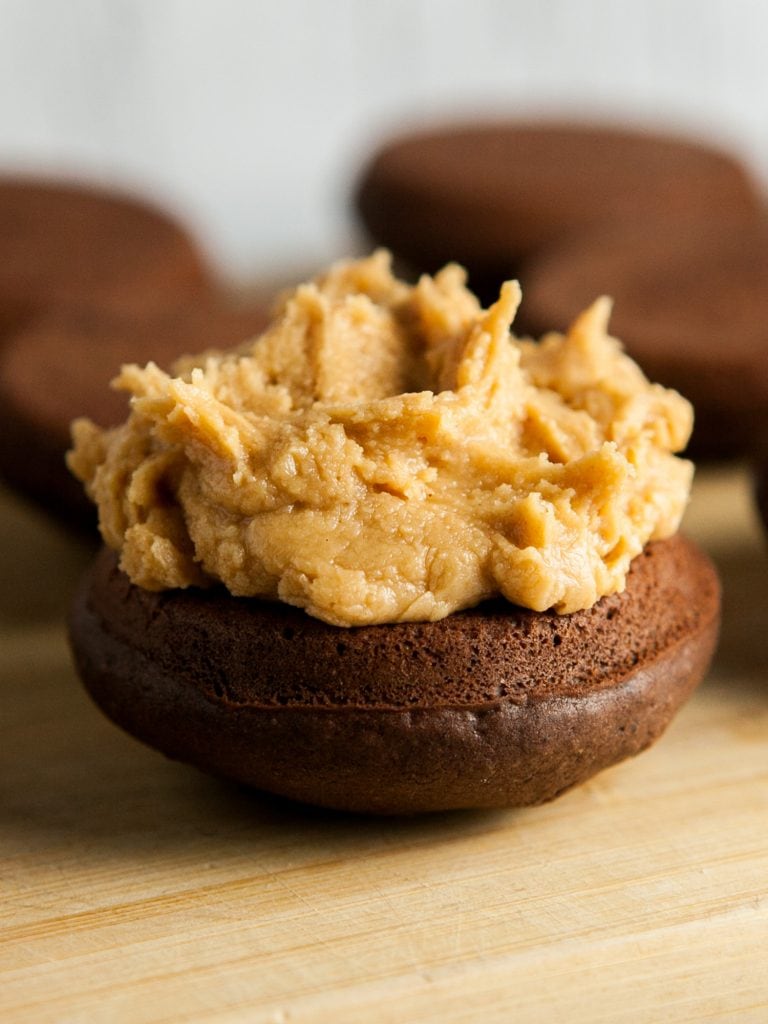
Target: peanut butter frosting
(388,452)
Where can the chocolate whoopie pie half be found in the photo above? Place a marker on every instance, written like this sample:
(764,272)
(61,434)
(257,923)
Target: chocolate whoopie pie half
(493,707)
(691,308)
(491,195)
(59,367)
(64,245)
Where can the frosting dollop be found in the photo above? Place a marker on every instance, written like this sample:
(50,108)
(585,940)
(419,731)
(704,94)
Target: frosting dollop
(388,452)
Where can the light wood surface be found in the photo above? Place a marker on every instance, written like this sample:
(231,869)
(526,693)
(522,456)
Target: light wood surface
(137,890)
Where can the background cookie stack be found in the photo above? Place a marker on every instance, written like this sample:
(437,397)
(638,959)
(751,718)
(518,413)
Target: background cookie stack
(673,229)
(89,279)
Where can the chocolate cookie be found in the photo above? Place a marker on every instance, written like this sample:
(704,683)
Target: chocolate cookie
(71,245)
(493,707)
(690,307)
(59,367)
(492,195)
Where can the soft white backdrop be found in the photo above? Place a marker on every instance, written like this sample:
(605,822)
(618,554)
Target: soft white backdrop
(252,118)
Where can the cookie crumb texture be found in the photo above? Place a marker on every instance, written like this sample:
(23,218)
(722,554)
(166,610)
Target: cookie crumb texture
(494,707)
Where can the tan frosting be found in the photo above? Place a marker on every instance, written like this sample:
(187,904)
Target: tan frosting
(387,452)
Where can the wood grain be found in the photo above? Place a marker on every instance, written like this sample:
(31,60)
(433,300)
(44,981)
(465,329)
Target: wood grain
(137,890)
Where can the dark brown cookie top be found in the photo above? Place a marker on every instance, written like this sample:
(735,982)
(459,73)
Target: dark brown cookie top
(249,653)
(691,308)
(60,366)
(491,195)
(65,244)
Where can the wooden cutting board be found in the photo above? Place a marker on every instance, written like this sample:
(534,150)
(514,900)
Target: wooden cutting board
(137,890)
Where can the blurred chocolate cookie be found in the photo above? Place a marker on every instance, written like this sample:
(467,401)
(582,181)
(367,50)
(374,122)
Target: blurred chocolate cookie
(691,308)
(65,245)
(491,195)
(59,367)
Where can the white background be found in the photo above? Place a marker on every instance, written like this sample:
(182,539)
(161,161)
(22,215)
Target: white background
(252,118)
